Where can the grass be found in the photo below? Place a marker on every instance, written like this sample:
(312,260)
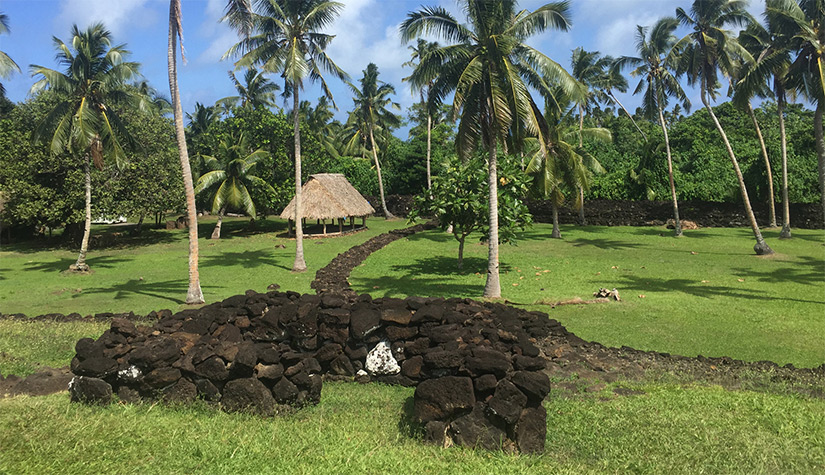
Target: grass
(151,273)
(706,293)
(365,429)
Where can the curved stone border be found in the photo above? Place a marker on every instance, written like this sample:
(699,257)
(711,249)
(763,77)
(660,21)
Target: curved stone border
(333,277)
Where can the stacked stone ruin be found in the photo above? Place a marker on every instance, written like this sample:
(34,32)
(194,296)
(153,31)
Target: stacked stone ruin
(476,367)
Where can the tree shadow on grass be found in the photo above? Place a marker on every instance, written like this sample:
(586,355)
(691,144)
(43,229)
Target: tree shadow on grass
(240,227)
(59,265)
(696,289)
(407,424)
(606,244)
(165,290)
(805,270)
(246,259)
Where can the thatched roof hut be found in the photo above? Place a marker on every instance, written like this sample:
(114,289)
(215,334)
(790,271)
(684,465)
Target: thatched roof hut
(329,196)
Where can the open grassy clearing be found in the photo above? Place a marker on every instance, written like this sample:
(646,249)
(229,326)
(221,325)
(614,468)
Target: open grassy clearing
(706,293)
(151,273)
(364,429)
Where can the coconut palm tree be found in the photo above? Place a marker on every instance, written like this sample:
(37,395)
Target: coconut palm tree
(286,36)
(561,164)
(7,65)
(771,61)
(705,51)
(804,22)
(372,108)
(320,121)
(590,69)
(230,177)
(613,80)
(85,121)
(653,65)
(489,67)
(202,118)
(419,51)
(194,295)
(256,91)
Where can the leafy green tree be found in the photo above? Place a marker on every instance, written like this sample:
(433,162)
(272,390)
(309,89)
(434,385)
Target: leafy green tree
(705,51)
(286,36)
(86,122)
(256,91)
(804,22)
(489,67)
(7,65)
(372,104)
(458,199)
(230,177)
(654,65)
(194,295)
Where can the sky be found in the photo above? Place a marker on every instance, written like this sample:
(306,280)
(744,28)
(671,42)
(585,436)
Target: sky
(366,31)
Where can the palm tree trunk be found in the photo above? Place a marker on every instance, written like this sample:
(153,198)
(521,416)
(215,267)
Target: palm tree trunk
(556,231)
(820,152)
(786,208)
(492,289)
(677,224)
(771,203)
(216,233)
(461,251)
(387,213)
(582,221)
(616,100)
(300,264)
(194,295)
(80,265)
(429,150)
(761,247)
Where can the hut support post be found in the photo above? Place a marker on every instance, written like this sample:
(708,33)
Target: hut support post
(363,221)
(352,221)
(341,225)
(325,227)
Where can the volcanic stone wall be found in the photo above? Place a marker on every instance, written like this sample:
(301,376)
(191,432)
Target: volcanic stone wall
(476,366)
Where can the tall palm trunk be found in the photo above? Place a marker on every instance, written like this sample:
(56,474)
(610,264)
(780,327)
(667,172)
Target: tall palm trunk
(677,224)
(556,234)
(387,213)
(80,265)
(492,289)
(616,100)
(820,152)
(786,206)
(194,295)
(216,233)
(429,150)
(300,264)
(761,247)
(582,221)
(771,203)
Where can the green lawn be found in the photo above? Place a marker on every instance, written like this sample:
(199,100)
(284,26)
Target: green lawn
(366,429)
(705,293)
(152,273)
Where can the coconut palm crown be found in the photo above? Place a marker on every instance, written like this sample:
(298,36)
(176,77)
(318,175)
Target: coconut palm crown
(7,65)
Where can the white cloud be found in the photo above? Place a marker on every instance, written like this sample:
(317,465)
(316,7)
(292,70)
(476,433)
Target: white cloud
(118,16)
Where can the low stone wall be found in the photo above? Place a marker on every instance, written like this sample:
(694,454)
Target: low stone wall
(477,367)
(649,213)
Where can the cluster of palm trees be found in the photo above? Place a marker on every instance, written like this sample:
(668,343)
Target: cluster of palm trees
(510,100)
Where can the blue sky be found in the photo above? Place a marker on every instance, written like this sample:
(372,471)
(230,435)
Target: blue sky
(366,31)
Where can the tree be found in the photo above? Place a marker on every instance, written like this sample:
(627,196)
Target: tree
(321,123)
(7,65)
(257,90)
(654,63)
(611,80)
(489,67)
(371,103)
(589,68)
(194,294)
(457,199)
(285,36)
(422,49)
(230,177)
(705,51)
(85,121)
(560,164)
(751,81)
(804,22)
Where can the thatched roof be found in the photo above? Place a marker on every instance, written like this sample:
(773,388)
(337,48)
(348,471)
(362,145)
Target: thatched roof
(329,196)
